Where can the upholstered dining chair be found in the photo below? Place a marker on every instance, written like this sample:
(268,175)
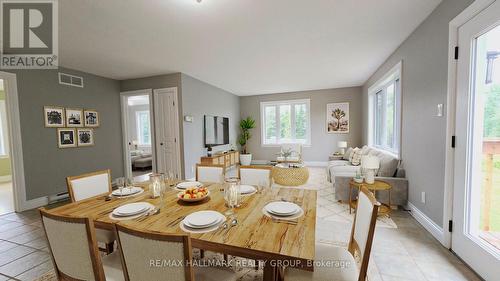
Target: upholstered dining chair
(254,175)
(210,173)
(89,185)
(354,260)
(144,254)
(74,250)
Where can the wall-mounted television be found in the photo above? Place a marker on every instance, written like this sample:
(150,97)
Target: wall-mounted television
(216,130)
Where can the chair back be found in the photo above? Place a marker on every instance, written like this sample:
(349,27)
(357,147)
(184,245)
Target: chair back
(363,229)
(254,175)
(210,173)
(144,255)
(73,247)
(89,185)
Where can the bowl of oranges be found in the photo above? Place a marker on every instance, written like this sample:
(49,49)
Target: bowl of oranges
(193,194)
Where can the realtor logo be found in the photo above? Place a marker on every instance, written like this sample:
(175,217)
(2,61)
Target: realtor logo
(29,34)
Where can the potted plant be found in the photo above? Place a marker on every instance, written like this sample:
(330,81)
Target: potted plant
(245,126)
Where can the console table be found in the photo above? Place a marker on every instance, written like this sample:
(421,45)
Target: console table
(227,159)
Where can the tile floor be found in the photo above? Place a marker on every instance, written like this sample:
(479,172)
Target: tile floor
(6,198)
(407,252)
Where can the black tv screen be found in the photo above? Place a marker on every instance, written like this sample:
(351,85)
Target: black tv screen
(216,130)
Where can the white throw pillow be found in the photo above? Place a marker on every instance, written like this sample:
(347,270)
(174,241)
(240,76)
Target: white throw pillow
(347,154)
(356,157)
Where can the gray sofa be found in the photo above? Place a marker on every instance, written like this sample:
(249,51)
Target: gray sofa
(340,173)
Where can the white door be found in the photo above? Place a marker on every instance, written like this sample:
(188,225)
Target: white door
(167,131)
(476,195)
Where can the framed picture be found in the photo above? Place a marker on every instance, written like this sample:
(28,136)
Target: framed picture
(54,116)
(85,137)
(337,117)
(74,117)
(66,138)
(91,118)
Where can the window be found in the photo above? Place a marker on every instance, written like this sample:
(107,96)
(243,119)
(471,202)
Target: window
(285,122)
(143,127)
(385,112)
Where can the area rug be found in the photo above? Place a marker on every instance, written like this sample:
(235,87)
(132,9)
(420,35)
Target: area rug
(328,208)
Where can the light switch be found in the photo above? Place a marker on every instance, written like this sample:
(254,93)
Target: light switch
(439,110)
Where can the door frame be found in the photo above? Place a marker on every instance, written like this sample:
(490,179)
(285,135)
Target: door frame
(174,91)
(16,151)
(127,162)
(466,15)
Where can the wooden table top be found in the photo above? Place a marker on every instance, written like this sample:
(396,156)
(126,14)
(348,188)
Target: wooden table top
(256,236)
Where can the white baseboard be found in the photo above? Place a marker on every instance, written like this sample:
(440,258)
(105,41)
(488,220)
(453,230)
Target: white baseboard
(427,223)
(34,203)
(6,178)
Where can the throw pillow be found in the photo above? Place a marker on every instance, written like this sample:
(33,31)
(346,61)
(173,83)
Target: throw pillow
(356,157)
(347,154)
(388,165)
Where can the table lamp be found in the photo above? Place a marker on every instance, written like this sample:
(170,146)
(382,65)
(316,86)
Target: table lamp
(370,164)
(342,145)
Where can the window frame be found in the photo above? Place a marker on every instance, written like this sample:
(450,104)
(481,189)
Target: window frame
(138,127)
(392,76)
(292,104)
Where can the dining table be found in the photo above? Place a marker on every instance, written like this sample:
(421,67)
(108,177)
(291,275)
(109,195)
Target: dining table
(276,243)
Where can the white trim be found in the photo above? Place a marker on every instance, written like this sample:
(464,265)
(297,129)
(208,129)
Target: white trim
(16,151)
(395,73)
(466,15)
(7,178)
(427,223)
(124,112)
(284,102)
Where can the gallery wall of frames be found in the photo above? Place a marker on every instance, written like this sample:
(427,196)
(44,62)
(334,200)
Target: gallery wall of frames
(75,126)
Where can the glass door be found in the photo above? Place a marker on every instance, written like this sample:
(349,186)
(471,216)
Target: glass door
(476,206)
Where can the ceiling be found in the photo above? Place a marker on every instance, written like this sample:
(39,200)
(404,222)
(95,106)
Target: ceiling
(246,47)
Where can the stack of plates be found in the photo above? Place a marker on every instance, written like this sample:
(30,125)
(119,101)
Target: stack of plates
(247,189)
(202,221)
(127,191)
(132,210)
(188,184)
(283,210)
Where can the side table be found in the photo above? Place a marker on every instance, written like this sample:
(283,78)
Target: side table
(385,208)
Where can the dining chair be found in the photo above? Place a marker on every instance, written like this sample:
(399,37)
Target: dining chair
(74,250)
(353,261)
(210,173)
(255,175)
(89,185)
(149,255)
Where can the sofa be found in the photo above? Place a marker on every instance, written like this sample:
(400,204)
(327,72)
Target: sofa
(340,173)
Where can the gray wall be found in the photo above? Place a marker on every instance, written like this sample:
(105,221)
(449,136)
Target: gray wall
(424,85)
(45,165)
(199,99)
(322,143)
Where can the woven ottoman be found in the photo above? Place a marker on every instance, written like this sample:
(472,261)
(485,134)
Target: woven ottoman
(289,176)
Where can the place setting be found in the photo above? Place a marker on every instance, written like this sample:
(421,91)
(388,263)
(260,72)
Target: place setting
(282,211)
(202,222)
(188,184)
(133,211)
(126,189)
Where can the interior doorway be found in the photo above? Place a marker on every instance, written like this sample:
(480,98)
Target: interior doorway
(138,134)
(6,186)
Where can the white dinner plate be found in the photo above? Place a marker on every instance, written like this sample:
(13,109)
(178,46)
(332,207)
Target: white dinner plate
(188,184)
(131,209)
(202,219)
(126,191)
(246,189)
(282,208)
(219,220)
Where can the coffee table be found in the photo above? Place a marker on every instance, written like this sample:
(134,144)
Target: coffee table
(286,175)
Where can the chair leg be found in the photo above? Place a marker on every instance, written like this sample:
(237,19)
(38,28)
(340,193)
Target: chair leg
(110,247)
(226,258)
(202,253)
(257,264)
